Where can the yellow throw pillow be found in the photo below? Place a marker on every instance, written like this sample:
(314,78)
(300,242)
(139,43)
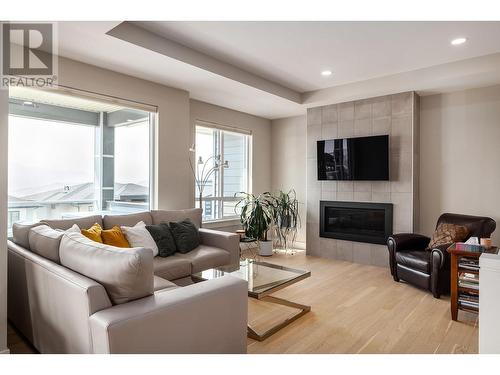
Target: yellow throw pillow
(93,233)
(114,237)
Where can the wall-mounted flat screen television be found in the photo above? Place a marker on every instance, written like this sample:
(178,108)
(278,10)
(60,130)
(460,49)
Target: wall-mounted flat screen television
(355,159)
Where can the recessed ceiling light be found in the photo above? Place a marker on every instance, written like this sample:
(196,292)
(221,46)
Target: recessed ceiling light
(326,73)
(458,41)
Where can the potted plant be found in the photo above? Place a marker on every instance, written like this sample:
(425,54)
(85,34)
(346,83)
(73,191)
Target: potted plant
(286,218)
(256,216)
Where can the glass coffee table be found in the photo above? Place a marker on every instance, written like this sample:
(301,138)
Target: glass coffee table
(263,280)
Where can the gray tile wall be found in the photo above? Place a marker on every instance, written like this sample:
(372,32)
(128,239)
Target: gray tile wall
(394,115)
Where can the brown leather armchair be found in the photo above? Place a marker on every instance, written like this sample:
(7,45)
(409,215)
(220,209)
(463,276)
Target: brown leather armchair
(410,260)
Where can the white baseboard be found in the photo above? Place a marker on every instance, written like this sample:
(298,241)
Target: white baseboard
(299,245)
(6,351)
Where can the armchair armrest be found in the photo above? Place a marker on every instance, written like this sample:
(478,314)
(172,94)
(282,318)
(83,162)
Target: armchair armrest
(401,242)
(408,241)
(440,255)
(223,240)
(207,317)
(440,270)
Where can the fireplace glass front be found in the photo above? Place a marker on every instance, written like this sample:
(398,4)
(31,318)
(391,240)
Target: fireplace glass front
(356,221)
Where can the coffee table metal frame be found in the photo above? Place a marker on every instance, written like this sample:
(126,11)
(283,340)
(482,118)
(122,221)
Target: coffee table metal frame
(251,247)
(266,296)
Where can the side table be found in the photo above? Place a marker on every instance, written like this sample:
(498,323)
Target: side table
(464,278)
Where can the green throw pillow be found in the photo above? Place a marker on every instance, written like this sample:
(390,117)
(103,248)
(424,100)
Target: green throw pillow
(163,237)
(186,235)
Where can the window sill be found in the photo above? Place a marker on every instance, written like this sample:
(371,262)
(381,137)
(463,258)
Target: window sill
(220,223)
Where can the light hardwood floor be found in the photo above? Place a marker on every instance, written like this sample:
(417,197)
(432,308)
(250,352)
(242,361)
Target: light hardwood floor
(360,309)
(355,309)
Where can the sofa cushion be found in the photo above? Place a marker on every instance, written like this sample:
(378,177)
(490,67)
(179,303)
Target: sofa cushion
(186,235)
(129,220)
(172,267)
(20,234)
(162,236)
(193,214)
(205,257)
(417,259)
(45,241)
(83,222)
(161,284)
(126,274)
(139,236)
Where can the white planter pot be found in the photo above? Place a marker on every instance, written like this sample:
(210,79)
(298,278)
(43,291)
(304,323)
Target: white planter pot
(266,248)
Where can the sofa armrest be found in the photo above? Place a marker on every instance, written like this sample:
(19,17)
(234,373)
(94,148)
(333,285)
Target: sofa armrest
(51,304)
(223,240)
(207,317)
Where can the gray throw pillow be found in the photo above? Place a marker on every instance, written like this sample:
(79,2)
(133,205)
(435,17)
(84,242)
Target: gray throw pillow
(186,235)
(162,235)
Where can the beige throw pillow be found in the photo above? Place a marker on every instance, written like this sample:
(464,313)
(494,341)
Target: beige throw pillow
(138,236)
(44,240)
(126,274)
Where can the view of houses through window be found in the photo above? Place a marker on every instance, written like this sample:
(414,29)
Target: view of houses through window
(219,192)
(73,157)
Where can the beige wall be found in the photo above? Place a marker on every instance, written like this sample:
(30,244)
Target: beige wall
(288,166)
(460,155)
(173,138)
(4,111)
(261,138)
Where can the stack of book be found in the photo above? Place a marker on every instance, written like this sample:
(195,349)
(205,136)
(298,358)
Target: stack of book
(469,247)
(468,280)
(469,300)
(469,264)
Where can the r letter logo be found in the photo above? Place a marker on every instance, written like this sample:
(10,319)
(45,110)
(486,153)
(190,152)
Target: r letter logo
(28,56)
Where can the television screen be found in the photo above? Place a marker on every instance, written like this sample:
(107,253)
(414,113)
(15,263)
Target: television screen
(362,158)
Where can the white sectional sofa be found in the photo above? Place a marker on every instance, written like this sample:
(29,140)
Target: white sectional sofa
(63,311)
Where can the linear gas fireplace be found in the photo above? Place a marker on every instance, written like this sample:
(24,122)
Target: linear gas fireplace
(356,221)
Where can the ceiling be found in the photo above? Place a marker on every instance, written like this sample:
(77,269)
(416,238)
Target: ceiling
(294,53)
(89,43)
(264,68)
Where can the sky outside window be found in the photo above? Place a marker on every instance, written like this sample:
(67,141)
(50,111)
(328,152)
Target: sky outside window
(48,153)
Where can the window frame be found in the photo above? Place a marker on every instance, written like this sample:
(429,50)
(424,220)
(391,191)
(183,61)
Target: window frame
(98,145)
(220,199)
(10,214)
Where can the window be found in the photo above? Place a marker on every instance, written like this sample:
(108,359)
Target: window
(222,161)
(14,216)
(72,157)
(132,167)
